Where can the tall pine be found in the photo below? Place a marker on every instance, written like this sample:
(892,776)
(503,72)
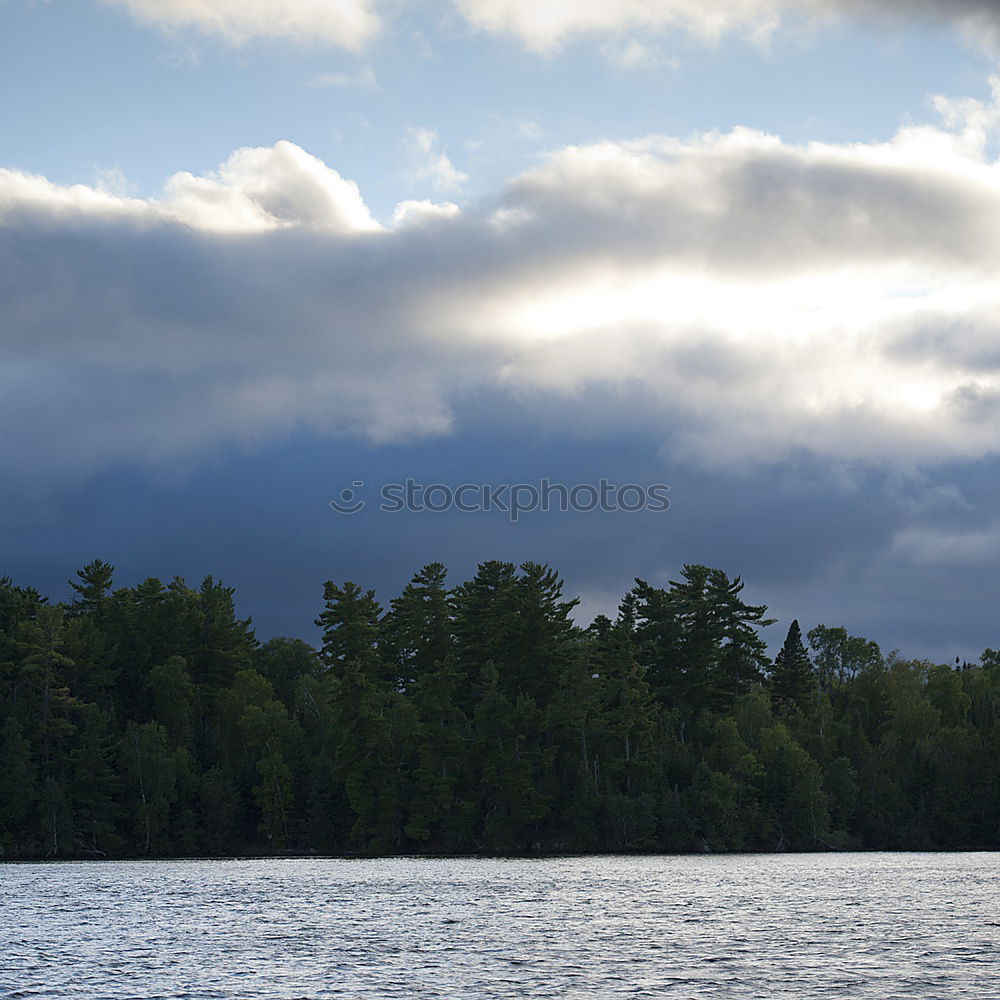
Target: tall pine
(793,681)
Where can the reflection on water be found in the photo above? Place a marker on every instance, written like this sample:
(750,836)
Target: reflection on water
(850,925)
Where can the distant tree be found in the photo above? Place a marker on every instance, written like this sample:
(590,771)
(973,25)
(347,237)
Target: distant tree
(93,587)
(793,681)
(486,624)
(285,662)
(148,720)
(43,674)
(150,771)
(94,784)
(372,729)
(618,742)
(417,633)
(792,791)
(516,620)
(840,657)
(438,808)
(173,699)
(350,624)
(224,643)
(19,791)
(699,641)
(515,768)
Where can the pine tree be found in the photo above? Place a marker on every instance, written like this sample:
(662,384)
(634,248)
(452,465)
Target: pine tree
(699,640)
(94,585)
(94,783)
(438,811)
(416,634)
(225,643)
(350,623)
(742,660)
(793,681)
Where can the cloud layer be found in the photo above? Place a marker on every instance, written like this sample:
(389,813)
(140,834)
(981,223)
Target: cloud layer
(347,23)
(544,24)
(539,24)
(751,298)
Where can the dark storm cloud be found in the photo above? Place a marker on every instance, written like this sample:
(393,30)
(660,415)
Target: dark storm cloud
(857,550)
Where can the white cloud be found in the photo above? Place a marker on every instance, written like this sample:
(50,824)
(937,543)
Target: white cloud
(260,189)
(746,297)
(346,23)
(418,212)
(433,164)
(255,190)
(543,25)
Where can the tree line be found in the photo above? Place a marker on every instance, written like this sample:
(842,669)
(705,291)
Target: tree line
(477,718)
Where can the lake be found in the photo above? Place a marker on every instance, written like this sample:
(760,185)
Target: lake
(833,925)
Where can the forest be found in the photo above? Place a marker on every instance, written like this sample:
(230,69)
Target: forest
(149,721)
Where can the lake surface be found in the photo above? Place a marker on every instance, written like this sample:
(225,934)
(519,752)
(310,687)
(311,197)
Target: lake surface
(848,925)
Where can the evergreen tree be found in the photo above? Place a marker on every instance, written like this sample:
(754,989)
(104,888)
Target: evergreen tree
(173,697)
(350,624)
(699,641)
(792,792)
(94,785)
(148,721)
(19,792)
(285,663)
(416,634)
(439,812)
(619,740)
(793,682)
(150,773)
(93,587)
(225,643)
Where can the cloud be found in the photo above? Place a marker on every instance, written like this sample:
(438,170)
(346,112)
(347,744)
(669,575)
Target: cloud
(742,298)
(262,189)
(346,23)
(255,190)
(543,25)
(418,212)
(433,164)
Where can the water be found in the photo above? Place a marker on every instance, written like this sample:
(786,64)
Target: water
(851,925)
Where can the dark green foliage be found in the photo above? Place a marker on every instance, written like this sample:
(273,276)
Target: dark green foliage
(350,624)
(793,681)
(699,641)
(148,721)
(285,663)
(416,635)
(93,588)
(840,657)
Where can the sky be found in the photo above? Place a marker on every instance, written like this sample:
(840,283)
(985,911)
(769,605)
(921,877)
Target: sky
(257,252)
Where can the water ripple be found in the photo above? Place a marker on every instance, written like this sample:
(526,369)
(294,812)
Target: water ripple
(891,927)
